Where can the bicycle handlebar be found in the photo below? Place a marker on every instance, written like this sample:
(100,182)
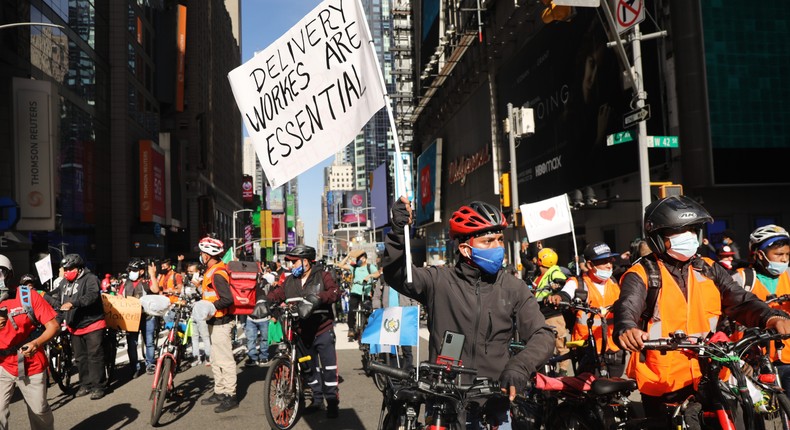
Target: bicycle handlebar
(480,387)
(390,371)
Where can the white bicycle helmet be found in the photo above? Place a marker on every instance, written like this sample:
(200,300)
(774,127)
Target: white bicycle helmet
(5,262)
(211,246)
(766,236)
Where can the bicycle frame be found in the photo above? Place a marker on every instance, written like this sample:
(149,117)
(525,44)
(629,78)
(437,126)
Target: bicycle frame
(170,348)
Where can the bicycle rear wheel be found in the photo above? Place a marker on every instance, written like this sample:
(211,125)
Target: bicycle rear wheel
(281,396)
(160,390)
(779,418)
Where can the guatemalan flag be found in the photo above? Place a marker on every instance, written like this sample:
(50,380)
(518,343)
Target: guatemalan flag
(393,326)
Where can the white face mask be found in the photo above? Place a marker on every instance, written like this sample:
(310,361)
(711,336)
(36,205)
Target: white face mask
(683,246)
(133,276)
(603,274)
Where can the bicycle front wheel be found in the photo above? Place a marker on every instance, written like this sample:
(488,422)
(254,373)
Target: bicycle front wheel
(282,394)
(60,366)
(779,417)
(160,390)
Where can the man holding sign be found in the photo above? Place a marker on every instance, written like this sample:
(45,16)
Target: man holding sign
(476,298)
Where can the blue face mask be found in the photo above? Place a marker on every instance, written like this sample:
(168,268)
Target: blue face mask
(683,246)
(603,274)
(776,268)
(488,260)
(297,272)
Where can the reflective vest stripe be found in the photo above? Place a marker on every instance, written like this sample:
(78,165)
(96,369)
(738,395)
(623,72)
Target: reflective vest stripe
(611,294)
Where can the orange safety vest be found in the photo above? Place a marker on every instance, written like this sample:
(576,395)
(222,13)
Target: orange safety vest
(660,374)
(611,293)
(209,292)
(167,283)
(759,290)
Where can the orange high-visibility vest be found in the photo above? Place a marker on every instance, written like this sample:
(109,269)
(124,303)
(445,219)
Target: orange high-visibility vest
(611,293)
(661,374)
(759,290)
(209,292)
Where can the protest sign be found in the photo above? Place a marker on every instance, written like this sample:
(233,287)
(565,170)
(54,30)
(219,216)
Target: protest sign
(44,269)
(122,313)
(308,94)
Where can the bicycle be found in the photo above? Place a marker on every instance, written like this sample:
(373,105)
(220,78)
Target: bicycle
(438,388)
(757,394)
(171,351)
(110,345)
(283,395)
(61,359)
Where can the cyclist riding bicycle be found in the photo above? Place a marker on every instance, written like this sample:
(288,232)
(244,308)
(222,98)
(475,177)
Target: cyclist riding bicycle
(317,286)
(675,289)
(767,275)
(476,298)
(363,273)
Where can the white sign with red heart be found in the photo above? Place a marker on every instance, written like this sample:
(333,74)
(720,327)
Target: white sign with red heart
(547,218)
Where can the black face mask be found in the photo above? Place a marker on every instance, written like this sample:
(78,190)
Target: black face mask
(162,271)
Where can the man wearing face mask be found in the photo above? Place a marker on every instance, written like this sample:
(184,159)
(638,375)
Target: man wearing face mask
(170,282)
(476,298)
(602,291)
(363,274)
(84,316)
(318,287)
(138,285)
(766,276)
(692,293)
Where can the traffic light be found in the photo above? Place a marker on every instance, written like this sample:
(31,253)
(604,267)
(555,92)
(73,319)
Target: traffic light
(670,190)
(504,191)
(556,13)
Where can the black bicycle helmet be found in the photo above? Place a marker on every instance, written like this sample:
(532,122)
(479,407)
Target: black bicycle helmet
(475,219)
(71,261)
(301,251)
(136,264)
(672,213)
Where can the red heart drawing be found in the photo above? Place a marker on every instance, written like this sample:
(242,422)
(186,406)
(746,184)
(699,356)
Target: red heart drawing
(548,214)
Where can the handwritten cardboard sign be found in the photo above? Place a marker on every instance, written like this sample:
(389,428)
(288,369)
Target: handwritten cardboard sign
(308,94)
(122,313)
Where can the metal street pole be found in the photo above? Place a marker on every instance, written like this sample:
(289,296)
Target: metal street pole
(514,201)
(644,163)
(234,238)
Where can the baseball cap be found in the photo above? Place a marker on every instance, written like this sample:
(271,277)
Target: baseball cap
(725,251)
(598,251)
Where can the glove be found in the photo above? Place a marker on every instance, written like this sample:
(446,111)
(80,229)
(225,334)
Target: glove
(400,216)
(261,310)
(313,299)
(510,377)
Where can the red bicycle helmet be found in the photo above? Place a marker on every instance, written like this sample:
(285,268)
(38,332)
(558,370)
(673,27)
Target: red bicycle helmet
(475,219)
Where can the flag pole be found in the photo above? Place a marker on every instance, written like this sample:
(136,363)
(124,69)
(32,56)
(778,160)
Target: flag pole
(573,233)
(400,176)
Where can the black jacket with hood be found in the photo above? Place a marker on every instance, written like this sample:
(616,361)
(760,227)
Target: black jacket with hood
(85,296)
(485,308)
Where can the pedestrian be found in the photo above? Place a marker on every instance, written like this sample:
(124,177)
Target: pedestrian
(216,289)
(138,284)
(318,287)
(84,316)
(199,325)
(23,363)
(362,273)
(257,332)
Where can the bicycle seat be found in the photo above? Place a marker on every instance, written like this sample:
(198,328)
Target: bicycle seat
(604,386)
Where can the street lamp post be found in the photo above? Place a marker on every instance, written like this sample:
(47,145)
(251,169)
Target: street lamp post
(23,24)
(234,238)
(358,212)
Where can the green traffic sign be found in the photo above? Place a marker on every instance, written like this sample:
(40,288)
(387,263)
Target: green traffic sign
(662,142)
(620,137)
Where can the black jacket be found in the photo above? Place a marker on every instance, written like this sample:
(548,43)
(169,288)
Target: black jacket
(320,283)
(85,296)
(483,308)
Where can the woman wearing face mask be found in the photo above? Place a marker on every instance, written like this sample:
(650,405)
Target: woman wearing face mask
(602,291)
(692,294)
(138,284)
(766,276)
(476,298)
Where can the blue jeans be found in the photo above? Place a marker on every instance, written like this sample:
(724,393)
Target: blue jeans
(257,337)
(150,342)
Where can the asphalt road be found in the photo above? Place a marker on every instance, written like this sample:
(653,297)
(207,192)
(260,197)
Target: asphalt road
(127,405)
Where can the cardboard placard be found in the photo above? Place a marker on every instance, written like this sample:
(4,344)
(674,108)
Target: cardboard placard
(122,313)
